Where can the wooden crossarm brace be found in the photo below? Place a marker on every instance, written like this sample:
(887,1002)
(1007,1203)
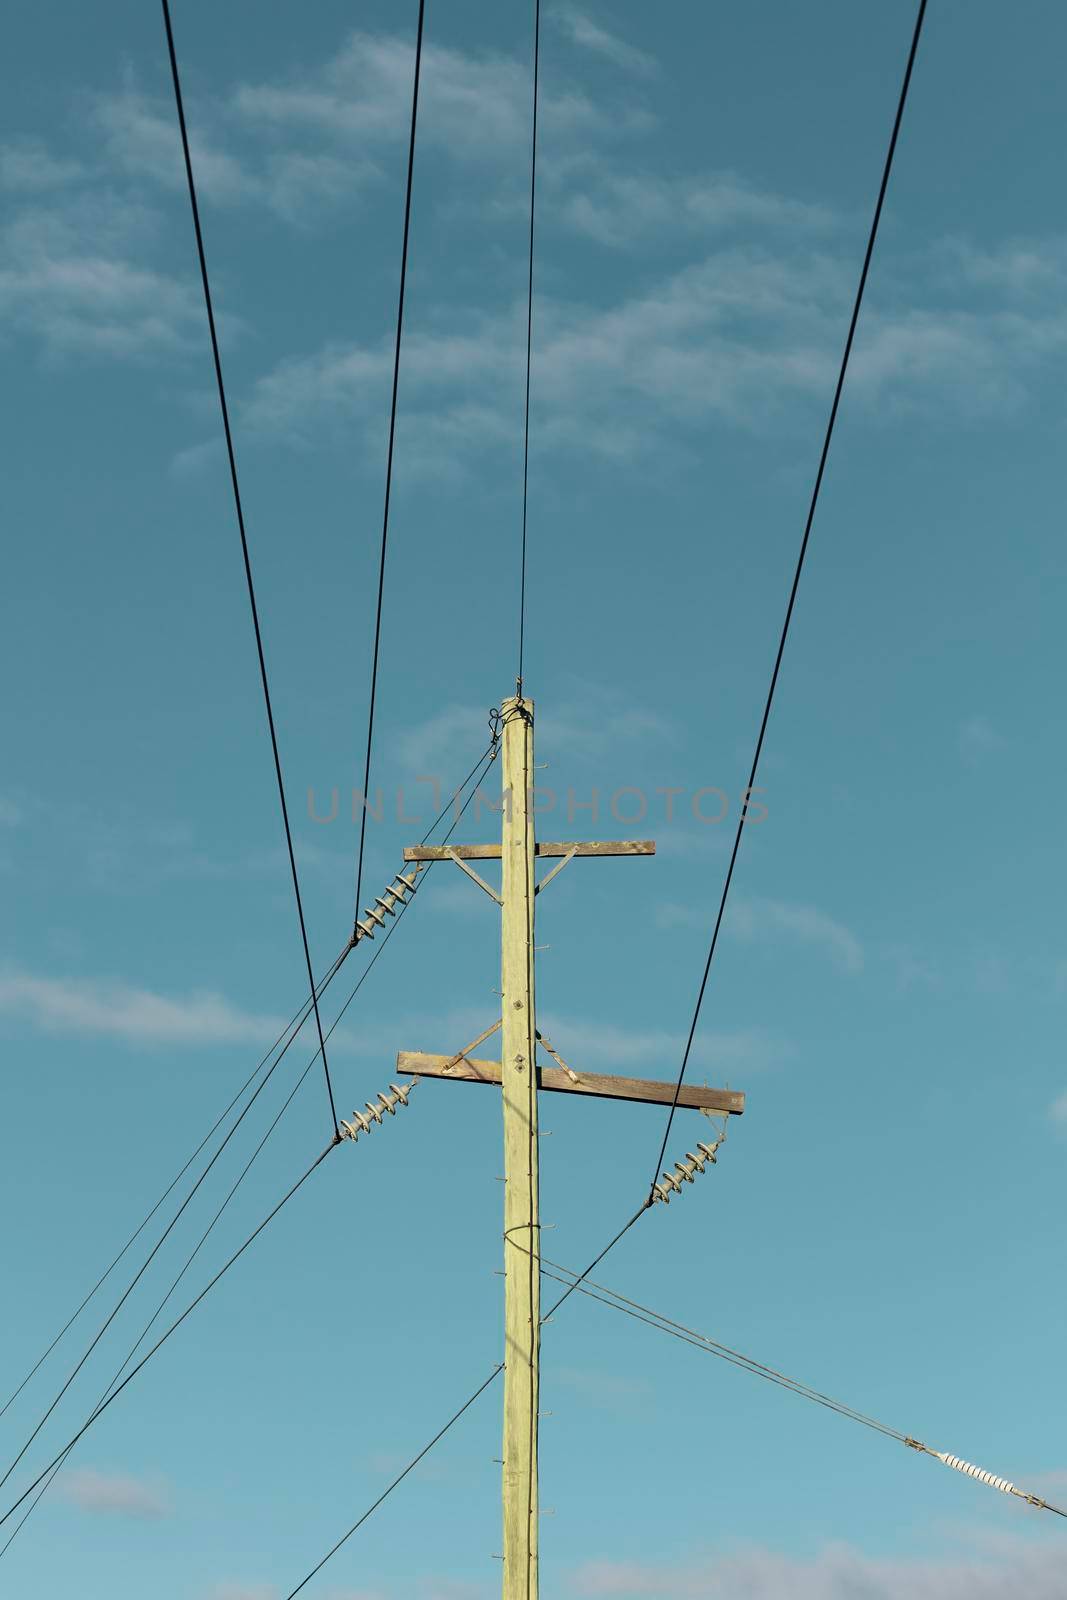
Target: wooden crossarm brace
(730,1102)
(547,879)
(491,852)
(453,855)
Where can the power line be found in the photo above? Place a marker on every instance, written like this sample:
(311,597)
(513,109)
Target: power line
(412,1464)
(389,456)
(172,1329)
(529,341)
(853,320)
(231,456)
(143,1268)
(205,1235)
(480,766)
(633,1308)
(616,1302)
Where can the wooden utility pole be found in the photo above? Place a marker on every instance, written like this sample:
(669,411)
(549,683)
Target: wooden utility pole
(520,1077)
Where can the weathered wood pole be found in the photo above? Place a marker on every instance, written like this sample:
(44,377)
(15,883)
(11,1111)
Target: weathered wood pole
(522,1242)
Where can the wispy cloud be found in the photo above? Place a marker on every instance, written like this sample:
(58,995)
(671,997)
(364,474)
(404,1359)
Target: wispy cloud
(1058,1109)
(113,1009)
(758,919)
(726,1051)
(474,104)
(72,273)
(244,1591)
(977,738)
(745,335)
(140,137)
(113,1494)
(606,1390)
(619,208)
(583,31)
(27,165)
(755,918)
(836,1573)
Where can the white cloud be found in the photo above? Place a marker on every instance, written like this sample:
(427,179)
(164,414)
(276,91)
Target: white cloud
(431,747)
(109,1008)
(583,31)
(978,738)
(617,208)
(754,919)
(725,1051)
(244,1591)
(610,1391)
(838,1572)
(477,105)
(70,274)
(1058,1109)
(112,1494)
(141,138)
(28,165)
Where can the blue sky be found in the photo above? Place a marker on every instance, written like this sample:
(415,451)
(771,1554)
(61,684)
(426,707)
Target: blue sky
(885,1220)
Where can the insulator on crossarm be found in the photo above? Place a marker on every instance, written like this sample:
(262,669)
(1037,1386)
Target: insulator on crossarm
(685,1171)
(385,1103)
(404,884)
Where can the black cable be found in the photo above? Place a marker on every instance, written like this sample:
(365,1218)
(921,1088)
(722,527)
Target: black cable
(143,1268)
(529,343)
(702,1341)
(412,1464)
(205,1235)
(172,1329)
(480,767)
(389,455)
(224,408)
(854,319)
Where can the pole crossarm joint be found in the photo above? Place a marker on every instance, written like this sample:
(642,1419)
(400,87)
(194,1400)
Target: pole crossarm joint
(571,847)
(547,879)
(453,855)
(463,1068)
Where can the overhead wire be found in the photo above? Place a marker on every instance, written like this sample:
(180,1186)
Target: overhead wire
(102,1279)
(301,1013)
(580,1283)
(175,1325)
(702,1341)
(143,1268)
(529,342)
(479,768)
(824,453)
(389,455)
(412,1464)
(205,1235)
(246,556)
(647,1204)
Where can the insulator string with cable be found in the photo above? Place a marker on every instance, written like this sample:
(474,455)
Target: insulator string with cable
(632,1308)
(245,553)
(389,455)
